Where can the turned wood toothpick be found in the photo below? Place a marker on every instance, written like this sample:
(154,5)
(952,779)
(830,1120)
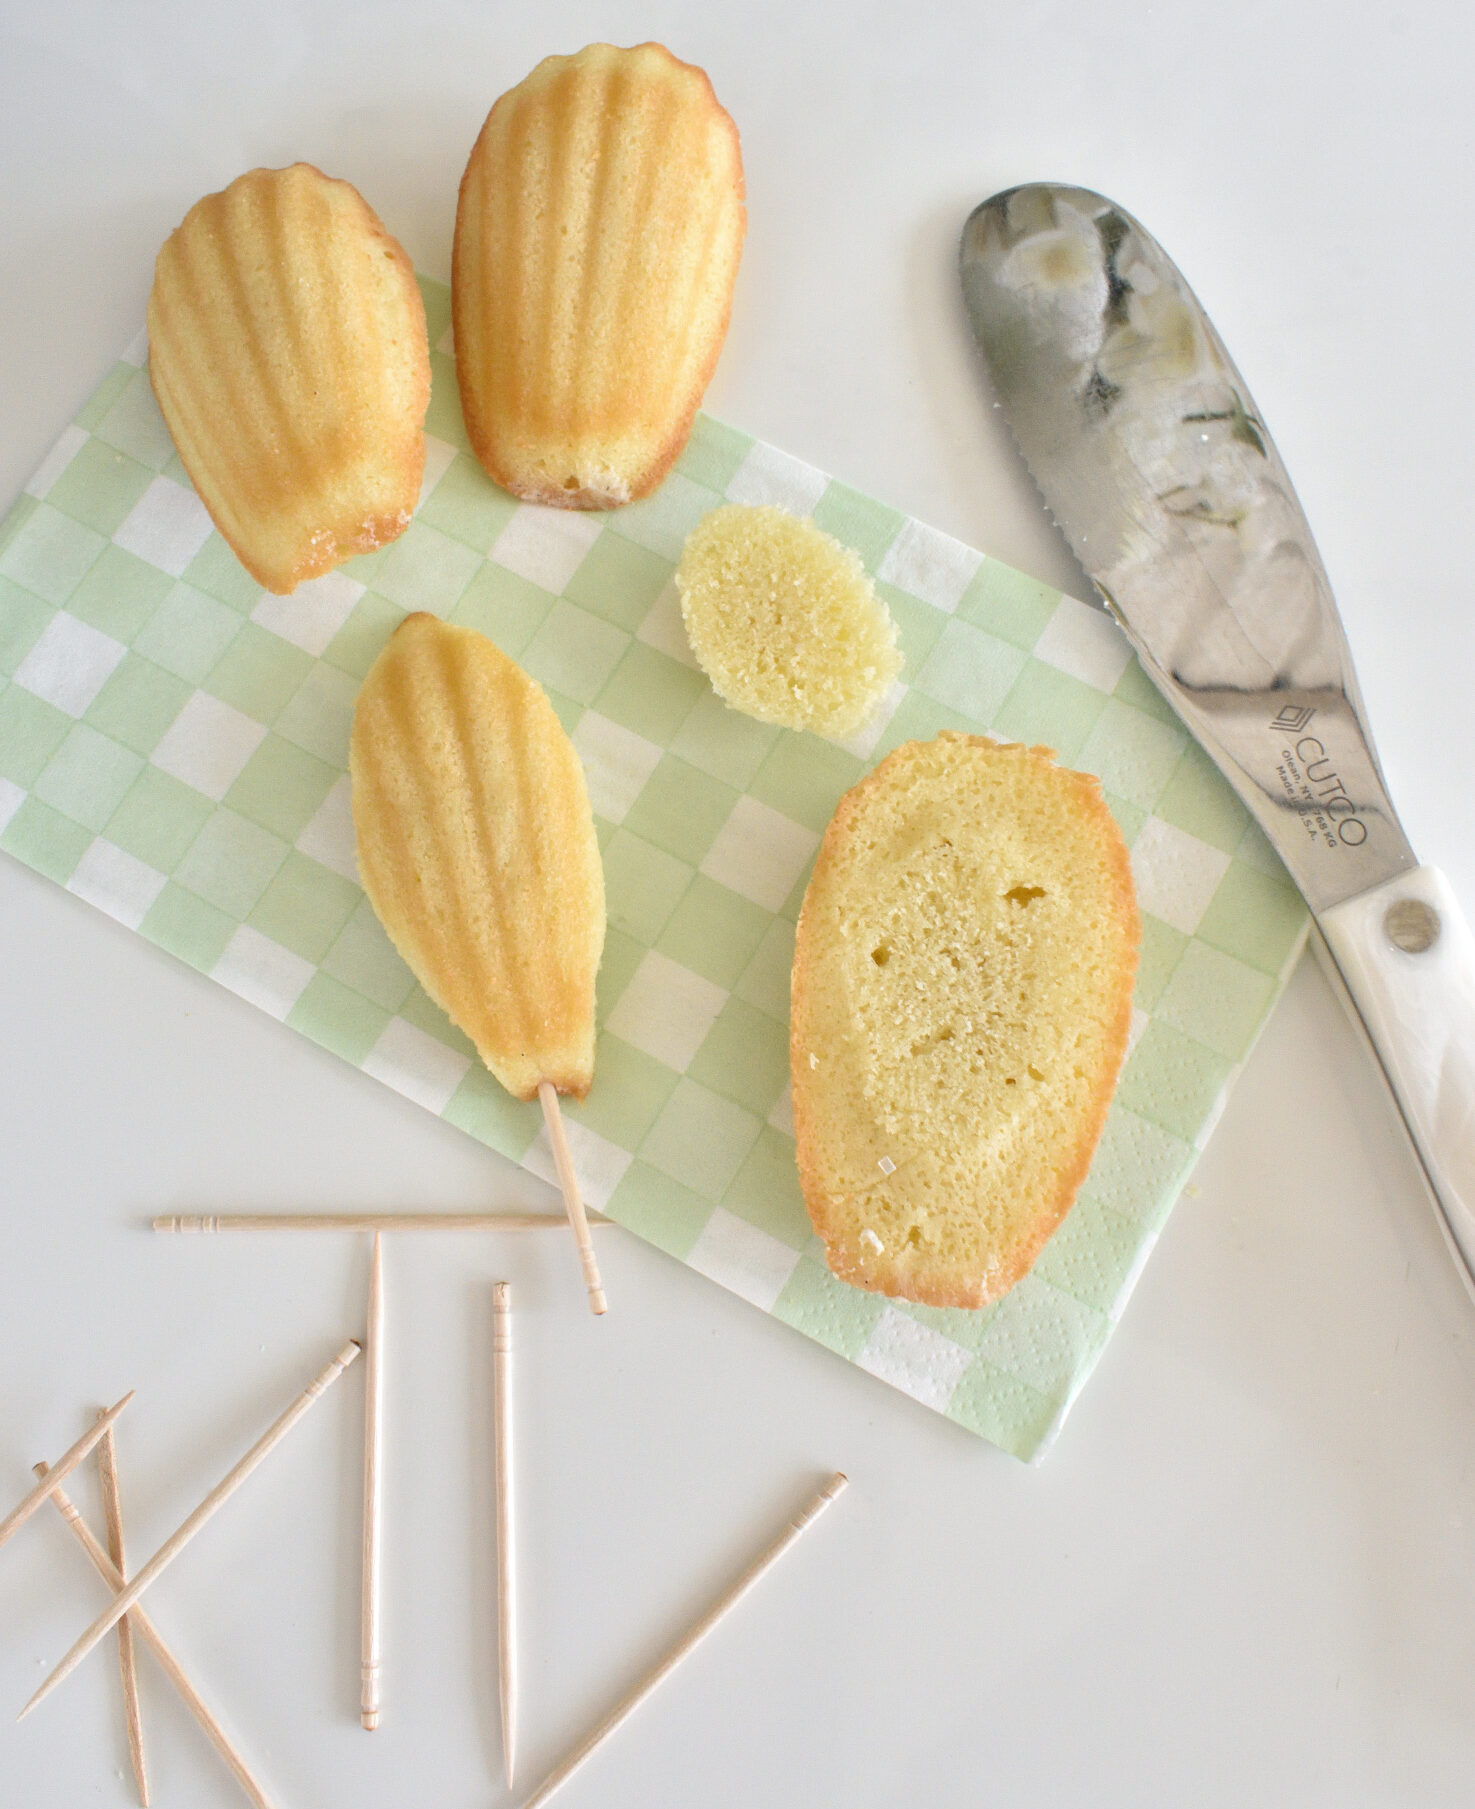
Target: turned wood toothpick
(366,1221)
(112,1510)
(502,1425)
(369,1636)
(573,1203)
(176,1543)
(169,1664)
(801,1522)
(61,1469)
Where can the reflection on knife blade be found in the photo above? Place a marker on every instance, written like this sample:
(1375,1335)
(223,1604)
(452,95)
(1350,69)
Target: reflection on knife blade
(1159,469)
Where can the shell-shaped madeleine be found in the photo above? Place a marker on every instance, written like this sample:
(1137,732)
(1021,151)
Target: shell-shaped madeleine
(476,848)
(598,233)
(287,350)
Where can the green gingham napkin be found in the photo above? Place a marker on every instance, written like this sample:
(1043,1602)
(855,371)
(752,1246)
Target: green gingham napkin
(174,745)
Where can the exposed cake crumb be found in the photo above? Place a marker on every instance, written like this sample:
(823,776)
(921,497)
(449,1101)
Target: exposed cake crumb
(785,622)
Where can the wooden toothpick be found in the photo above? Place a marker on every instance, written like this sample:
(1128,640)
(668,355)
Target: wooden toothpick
(176,1543)
(369,1652)
(801,1522)
(170,1665)
(366,1221)
(502,1424)
(60,1470)
(112,1510)
(573,1203)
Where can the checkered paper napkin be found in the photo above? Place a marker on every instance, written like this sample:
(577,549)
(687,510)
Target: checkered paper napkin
(174,746)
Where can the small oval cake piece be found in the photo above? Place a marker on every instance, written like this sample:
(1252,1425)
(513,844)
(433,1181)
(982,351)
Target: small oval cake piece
(784,620)
(962,991)
(476,847)
(598,233)
(287,350)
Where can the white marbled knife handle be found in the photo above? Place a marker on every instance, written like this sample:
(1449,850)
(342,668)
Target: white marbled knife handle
(1407,956)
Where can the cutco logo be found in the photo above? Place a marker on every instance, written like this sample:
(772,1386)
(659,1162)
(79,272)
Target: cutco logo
(1311,783)
(1294,718)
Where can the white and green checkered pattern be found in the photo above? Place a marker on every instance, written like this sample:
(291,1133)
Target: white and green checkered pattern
(174,744)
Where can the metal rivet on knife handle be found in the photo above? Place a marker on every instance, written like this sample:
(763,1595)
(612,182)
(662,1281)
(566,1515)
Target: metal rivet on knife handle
(1412,925)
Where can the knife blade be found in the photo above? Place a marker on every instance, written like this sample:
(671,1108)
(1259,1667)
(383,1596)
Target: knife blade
(1157,466)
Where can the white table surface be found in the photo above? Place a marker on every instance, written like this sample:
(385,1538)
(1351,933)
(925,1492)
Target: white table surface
(1246,1574)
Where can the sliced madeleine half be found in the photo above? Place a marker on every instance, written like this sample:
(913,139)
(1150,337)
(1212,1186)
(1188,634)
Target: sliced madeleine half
(962,994)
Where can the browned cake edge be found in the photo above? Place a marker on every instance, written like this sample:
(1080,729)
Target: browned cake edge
(893,1279)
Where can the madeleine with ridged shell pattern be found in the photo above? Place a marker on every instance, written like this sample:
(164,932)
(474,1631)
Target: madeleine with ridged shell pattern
(598,234)
(288,353)
(476,847)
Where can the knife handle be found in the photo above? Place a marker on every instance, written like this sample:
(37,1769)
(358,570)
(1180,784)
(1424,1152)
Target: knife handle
(1407,956)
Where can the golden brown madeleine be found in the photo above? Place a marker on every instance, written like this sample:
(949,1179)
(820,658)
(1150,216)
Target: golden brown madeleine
(287,349)
(598,234)
(962,994)
(476,848)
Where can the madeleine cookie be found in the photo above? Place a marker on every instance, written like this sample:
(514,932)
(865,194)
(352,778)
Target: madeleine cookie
(476,848)
(287,350)
(597,240)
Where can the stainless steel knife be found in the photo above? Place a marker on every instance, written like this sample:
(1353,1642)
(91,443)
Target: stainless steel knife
(1155,462)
